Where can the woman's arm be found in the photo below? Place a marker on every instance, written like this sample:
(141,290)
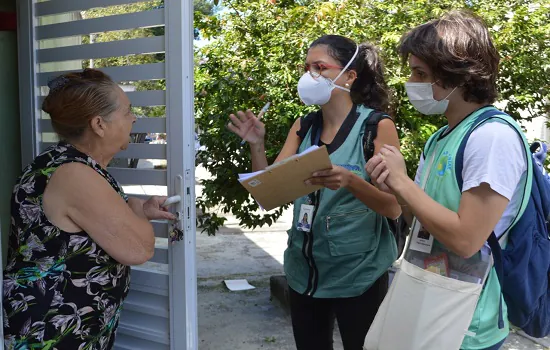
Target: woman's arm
(257,151)
(99,211)
(381,202)
(463,232)
(251,129)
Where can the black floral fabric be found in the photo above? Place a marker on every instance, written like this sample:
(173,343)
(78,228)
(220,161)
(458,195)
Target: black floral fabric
(61,290)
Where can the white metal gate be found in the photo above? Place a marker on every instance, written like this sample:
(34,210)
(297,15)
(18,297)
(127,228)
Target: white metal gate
(160,312)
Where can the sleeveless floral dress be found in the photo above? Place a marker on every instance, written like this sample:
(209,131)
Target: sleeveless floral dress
(61,290)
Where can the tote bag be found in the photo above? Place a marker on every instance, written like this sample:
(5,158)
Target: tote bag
(433,296)
(424,309)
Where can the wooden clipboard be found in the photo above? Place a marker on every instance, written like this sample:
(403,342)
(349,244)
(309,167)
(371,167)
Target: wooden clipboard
(283,182)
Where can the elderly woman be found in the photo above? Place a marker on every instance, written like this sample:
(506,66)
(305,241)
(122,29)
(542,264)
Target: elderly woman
(74,232)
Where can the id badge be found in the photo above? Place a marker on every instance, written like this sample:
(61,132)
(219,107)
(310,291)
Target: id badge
(421,239)
(305,218)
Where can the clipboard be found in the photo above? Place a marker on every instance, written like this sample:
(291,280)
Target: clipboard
(283,182)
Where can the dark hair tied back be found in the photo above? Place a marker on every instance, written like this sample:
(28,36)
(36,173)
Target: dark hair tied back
(370,87)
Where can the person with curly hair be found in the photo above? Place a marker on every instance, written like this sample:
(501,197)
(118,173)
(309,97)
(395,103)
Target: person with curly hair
(460,202)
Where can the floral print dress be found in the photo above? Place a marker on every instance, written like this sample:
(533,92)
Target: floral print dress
(61,290)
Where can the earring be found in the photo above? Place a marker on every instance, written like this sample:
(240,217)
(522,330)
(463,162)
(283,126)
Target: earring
(347,85)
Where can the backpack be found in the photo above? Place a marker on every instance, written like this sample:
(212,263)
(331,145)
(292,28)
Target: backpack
(523,267)
(398,227)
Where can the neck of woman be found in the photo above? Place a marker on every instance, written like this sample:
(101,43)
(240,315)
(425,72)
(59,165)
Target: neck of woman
(93,150)
(336,111)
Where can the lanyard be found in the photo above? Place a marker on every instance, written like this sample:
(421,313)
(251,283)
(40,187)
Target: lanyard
(427,174)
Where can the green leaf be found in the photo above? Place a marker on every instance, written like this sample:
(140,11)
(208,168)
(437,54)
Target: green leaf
(254,47)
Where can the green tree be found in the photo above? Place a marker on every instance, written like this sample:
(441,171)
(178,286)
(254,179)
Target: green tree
(205,7)
(158,111)
(256,46)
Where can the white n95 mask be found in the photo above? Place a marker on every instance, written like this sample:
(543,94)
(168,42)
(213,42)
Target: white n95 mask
(317,91)
(422,98)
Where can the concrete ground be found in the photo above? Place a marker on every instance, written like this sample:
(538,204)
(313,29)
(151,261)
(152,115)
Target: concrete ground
(246,320)
(249,320)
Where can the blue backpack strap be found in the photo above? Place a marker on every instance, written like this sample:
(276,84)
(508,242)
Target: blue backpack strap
(492,240)
(459,164)
(496,250)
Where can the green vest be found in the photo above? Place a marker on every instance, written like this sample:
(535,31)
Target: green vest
(349,246)
(442,186)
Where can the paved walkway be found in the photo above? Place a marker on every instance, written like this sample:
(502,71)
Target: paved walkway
(249,320)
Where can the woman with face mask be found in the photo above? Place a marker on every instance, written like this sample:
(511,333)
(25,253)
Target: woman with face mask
(339,265)
(454,66)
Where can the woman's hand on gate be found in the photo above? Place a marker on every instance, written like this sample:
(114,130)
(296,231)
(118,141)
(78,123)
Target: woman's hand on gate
(154,210)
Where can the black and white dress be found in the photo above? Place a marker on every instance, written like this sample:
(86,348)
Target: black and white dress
(61,290)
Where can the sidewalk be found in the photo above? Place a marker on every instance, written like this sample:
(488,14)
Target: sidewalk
(250,320)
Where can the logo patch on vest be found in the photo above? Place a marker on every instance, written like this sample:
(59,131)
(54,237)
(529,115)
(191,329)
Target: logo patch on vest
(356,169)
(444,164)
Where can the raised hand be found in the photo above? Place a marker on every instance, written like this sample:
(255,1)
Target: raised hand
(247,126)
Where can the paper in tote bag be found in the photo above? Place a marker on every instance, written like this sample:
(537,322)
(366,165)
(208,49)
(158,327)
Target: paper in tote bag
(432,299)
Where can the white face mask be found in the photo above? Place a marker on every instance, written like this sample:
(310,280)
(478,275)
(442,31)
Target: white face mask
(422,98)
(317,91)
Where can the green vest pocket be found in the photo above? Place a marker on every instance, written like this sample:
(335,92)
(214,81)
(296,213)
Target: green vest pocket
(347,233)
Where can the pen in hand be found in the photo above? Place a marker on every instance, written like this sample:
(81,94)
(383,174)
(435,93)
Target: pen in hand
(262,112)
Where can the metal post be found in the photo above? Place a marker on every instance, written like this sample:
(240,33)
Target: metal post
(27,81)
(181,155)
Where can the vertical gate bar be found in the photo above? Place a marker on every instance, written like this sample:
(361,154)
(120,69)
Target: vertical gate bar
(181,162)
(28,108)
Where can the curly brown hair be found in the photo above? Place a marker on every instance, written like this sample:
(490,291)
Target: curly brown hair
(460,52)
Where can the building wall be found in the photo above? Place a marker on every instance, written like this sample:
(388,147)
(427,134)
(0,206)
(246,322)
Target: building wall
(10,149)
(537,129)
(10,137)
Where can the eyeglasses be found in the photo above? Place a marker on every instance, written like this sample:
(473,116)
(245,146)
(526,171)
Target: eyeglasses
(316,69)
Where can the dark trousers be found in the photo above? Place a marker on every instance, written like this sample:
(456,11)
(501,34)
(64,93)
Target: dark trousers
(313,318)
(496,346)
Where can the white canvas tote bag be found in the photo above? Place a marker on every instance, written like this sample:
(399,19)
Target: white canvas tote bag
(424,310)
(432,299)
